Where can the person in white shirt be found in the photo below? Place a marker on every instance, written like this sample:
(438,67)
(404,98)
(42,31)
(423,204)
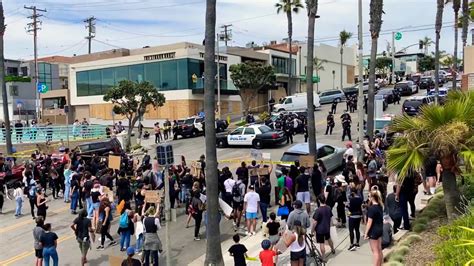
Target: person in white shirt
(18,195)
(349,151)
(251,206)
(228,185)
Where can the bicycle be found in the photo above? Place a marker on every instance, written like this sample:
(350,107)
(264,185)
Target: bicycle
(314,257)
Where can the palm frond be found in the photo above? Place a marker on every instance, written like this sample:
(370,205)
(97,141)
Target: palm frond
(406,158)
(405,123)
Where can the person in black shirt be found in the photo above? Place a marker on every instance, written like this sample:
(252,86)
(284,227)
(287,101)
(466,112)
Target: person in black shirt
(264,190)
(374,228)
(238,251)
(355,216)
(316,181)
(404,195)
(49,242)
(346,125)
(19,131)
(333,107)
(288,128)
(82,228)
(302,188)
(330,123)
(88,184)
(74,193)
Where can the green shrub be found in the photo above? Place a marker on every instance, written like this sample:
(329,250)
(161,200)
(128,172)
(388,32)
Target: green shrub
(430,214)
(422,220)
(395,257)
(419,227)
(447,251)
(410,239)
(264,116)
(467,190)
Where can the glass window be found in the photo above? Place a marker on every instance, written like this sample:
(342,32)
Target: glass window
(121,73)
(288,100)
(321,153)
(137,73)
(182,74)
(169,75)
(237,131)
(249,131)
(152,74)
(108,80)
(328,150)
(264,129)
(82,81)
(193,69)
(95,82)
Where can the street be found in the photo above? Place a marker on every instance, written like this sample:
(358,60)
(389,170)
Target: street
(16,234)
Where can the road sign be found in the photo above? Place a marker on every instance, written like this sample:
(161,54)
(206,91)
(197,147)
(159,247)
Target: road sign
(398,36)
(42,88)
(315,79)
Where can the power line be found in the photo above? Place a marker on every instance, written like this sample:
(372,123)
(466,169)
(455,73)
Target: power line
(111,45)
(127,9)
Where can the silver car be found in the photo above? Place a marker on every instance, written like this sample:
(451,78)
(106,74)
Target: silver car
(329,154)
(331,96)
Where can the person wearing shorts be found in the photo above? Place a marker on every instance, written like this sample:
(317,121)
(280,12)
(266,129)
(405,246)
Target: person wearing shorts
(38,231)
(238,202)
(251,206)
(374,228)
(302,188)
(82,228)
(322,225)
(298,245)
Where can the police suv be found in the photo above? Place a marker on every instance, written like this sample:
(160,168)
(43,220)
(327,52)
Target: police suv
(256,135)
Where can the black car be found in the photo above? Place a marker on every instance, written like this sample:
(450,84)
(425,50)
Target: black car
(389,95)
(354,90)
(427,83)
(100,148)
(406,88)
(412,105)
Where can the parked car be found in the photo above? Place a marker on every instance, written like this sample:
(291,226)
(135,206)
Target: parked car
(329,154)
(190,127)
(412,105)
(427,83)
(354,90)
(100,148)
(406,88)
(296,102)
(331,96)
(256,135)
(443,92)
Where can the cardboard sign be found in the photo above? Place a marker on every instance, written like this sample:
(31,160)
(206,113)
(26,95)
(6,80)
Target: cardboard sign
(307,161)
(114,162)
(109,193)
(256,154)
(262,171)
(152,196)
(266,156)
(253,171)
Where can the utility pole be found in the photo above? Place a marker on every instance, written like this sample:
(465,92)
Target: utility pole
(360,99)
(218,77)
(34,27)
(6,116)
(393,57)
(226,33)
(90,24)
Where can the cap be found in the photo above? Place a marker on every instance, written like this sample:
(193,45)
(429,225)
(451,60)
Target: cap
(130,251)
(298,204)
(252,187)
(266,244)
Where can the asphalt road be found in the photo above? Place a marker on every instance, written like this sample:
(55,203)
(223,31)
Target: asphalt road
(16,237)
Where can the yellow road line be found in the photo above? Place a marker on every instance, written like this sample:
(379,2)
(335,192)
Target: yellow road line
(29,221)
(27,254)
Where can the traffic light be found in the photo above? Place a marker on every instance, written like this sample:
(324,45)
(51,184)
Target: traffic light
(420,44)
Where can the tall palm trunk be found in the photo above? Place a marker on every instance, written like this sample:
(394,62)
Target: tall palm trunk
(342,60)
(451,194)
(312,11)
(213,243)
(290,37)
(371,92)
(438,23)
(455,54)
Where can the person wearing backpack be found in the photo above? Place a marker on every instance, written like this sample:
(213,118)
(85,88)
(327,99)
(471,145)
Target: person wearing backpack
(105,219)
(31,191)
(238,192)
(126,229)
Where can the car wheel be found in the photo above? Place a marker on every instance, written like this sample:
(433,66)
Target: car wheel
(337,100)
(281,110)
(194,133)
(257,144)
(221,143)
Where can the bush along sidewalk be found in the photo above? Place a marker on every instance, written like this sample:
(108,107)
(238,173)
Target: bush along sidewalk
(433,211)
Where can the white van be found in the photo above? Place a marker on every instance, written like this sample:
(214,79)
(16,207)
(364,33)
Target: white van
(295,103)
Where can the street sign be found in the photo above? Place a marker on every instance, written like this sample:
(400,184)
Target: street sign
(398,36)
(316,79)
(42,88)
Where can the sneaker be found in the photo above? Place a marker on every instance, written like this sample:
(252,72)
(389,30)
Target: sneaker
(234,223)
(247,233)
(351,248)
(122,249)
(357,245)
(197,238)
(113,243)
(100,247)
(333,251)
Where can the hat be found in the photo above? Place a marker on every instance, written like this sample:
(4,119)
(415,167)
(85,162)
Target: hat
(252,187)
(266,244)
(341,178)
(298,204)
(130,251)
(349,144)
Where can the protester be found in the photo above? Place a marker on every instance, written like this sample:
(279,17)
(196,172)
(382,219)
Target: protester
(374,228)
(238,251)
(273,227)
(82,228)
(297,245)
(198,208)
(105,219)
(268,257)
(38,231)
(126,229)
(264,190)
(286,201)
(392,208)
(238,192)
(152,244)
(74,193)
(18,195)
(139,233)
(32,189)
(298,214)
(355,216)
(302,188)
(251,207)
(130,261)
(49,242)
(387,233)
(322,225)
(228,185)
(41,204)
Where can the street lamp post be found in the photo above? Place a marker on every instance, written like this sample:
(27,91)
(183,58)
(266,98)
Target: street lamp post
(333,79)
(218,77)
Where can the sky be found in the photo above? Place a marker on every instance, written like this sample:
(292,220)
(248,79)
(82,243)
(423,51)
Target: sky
(138,23)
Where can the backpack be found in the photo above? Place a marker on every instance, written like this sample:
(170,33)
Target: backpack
(236,190)
(123,223)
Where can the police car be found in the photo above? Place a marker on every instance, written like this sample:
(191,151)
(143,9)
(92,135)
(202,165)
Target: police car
(257,135)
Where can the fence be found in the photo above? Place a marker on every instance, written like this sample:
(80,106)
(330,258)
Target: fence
(54,133)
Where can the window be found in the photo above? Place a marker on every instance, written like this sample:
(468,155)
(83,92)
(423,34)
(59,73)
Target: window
(281,65)
(169,75)
(108,79)
(137,73)
(13,90)
(199,120)
(44,74)
(288,101)
(321,153)
(328,150)
(264,129)
(249,131)
(13,71)
(237,131)
(82,79)
(95,82)
(24,71)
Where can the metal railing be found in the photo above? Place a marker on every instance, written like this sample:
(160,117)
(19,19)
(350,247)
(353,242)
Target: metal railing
(41,134)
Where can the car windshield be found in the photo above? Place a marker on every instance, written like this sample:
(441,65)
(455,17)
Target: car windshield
(385,91)
(401,85)
(441,93)
(413,103)
(290,157)
(189,121)
(264,129)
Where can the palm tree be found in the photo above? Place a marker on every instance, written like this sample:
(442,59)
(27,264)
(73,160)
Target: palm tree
(213,243)
(447,61)
(318,65)
(288,7)
(312,6)
(427,42)
(446,132)
(456,7)
(438,24)
(344,36)
(376,10)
